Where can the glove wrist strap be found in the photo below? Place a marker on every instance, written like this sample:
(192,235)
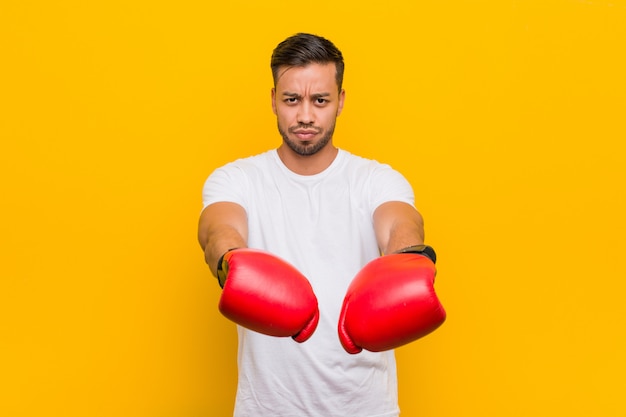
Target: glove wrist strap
(222,269)
(425,250)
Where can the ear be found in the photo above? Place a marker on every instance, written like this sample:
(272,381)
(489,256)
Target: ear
(274,100)
(342,98)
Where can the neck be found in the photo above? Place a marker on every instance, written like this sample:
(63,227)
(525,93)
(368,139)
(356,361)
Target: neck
(307,164)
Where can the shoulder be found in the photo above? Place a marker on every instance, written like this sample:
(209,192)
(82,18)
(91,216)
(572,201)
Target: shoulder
(236,181)
(251,162)
(250,166)
(368,168)
(379,180)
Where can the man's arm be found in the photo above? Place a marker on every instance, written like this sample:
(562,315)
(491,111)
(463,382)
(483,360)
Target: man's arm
(397,226)
(260,291)
(222,226)
(391,301)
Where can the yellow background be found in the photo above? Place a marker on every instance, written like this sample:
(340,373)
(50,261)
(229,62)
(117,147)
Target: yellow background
(508,117)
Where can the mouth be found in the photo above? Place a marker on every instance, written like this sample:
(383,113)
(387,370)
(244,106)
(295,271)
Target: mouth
(305,134)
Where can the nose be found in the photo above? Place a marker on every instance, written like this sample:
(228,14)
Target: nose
(305,113)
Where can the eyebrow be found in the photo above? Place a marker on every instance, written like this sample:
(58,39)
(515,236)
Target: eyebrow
(296,95)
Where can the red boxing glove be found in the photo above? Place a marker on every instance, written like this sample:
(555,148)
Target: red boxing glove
(390,302)
(266,294)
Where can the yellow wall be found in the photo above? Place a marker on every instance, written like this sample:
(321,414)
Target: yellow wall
(507,116)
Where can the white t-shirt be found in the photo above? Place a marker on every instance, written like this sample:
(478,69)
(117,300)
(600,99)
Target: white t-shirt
(322,224)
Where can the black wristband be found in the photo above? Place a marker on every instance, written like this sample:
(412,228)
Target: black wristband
(222,270)
(425,250)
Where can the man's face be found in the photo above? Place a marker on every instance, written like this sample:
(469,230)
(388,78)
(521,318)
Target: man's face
(306,102)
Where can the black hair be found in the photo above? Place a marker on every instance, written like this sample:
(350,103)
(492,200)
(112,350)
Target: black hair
(303,49)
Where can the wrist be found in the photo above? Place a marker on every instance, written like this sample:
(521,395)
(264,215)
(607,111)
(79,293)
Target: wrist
(222,268)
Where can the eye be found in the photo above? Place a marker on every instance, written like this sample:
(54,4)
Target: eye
(291,100)
(321,101)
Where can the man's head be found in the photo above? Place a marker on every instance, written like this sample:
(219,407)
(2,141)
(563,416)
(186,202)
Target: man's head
(307,96)
(303,49)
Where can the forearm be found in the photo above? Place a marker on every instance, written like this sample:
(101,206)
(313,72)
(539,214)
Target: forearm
(220,242)
(397,226)
(404,234)
(222,226)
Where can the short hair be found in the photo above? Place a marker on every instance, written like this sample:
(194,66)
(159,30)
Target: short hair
(303,49)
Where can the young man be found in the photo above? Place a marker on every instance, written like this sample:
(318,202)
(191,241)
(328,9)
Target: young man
(295,236)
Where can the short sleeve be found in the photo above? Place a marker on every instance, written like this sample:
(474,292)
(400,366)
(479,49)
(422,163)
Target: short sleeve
(387,184)
(225,184)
